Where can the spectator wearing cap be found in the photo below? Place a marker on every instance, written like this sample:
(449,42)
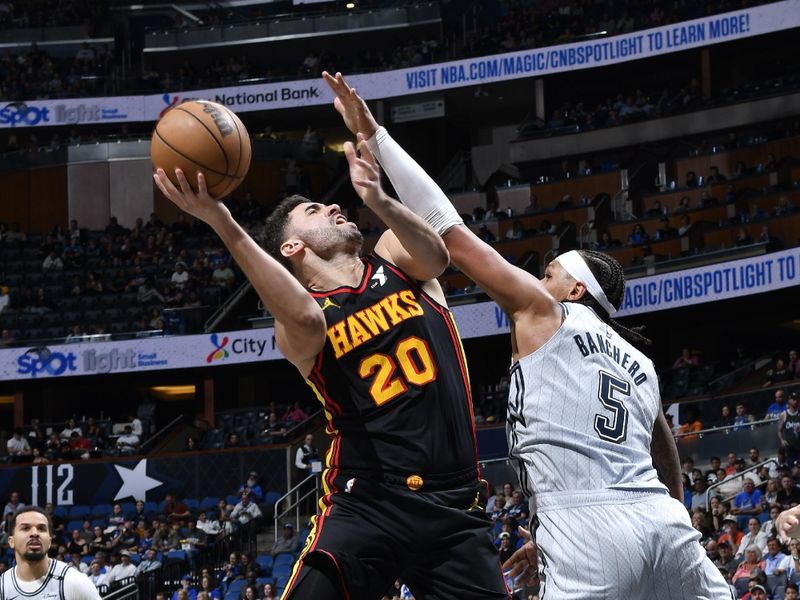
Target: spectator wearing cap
(288,543)
(732,534)
(186,589)
(506,549)
(123,570)
(756,591)
(775,561)
(753,536)
(251,486)
(726,559)
(752,560)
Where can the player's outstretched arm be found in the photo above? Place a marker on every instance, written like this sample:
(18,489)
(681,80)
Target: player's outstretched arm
(513,289)
(409,242)
(299,322)
(665,457)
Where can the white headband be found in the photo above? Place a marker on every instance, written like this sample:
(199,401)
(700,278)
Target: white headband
(574,264)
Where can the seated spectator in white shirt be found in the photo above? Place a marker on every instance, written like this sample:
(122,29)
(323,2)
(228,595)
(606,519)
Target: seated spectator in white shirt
(136,425)
(210,526)
(96,576)
(13,505)
(180,276)
(123,570)
(18,447)
(223,275)
(128,443)
(754,535)
(246,511)
(71,426)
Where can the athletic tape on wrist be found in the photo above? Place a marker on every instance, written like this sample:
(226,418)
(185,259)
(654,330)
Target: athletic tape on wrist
(574,264)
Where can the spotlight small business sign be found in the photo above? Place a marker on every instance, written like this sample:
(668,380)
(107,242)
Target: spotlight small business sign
(142,354)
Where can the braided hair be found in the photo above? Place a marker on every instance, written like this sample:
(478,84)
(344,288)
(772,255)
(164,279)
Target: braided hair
(611,277)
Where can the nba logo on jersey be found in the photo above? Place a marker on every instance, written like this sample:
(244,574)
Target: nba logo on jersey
(379,278)
(349,487)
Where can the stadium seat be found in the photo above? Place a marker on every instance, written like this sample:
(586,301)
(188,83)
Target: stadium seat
(61,511)
(150,506)
(176,555)
(208,502)
(236,586)
(272,497)
(265,561)
(281,582)
(262,581)
(128,508)
(99,523)
(232,499)
(74,524)
(191,503)
(101,510)
(232,596)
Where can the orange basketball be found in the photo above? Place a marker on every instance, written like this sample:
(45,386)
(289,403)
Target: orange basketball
(202,136)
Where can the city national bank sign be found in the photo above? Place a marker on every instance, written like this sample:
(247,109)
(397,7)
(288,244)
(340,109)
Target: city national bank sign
(535,62)
(710,283)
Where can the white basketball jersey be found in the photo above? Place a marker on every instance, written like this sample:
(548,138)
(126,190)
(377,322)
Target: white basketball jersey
(581,411)
(60,583)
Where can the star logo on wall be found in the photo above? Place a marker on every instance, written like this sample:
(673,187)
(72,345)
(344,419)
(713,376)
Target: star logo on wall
(135,482)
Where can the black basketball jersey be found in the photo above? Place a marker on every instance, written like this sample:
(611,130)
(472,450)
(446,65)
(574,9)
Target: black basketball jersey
(393,381)
(791,426)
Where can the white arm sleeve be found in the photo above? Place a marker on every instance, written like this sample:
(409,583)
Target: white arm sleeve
(78,586)
(415,188)
(298,460)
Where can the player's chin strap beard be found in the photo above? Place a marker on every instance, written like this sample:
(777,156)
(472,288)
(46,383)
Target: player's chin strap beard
(573,263)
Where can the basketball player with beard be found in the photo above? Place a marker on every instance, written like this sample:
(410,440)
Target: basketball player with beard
(36,575)
(585,428)
(375,340)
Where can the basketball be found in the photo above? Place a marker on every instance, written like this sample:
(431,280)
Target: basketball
(202,136)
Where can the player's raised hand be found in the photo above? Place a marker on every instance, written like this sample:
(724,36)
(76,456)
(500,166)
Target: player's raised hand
(364,172)
(787,524)
(354,110)
(524,562)
(199,204)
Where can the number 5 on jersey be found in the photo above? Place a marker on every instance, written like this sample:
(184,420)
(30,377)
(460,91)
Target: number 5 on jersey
(610,392)
(416,364)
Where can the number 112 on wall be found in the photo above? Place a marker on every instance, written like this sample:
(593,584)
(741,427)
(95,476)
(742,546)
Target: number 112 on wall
(64,473)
